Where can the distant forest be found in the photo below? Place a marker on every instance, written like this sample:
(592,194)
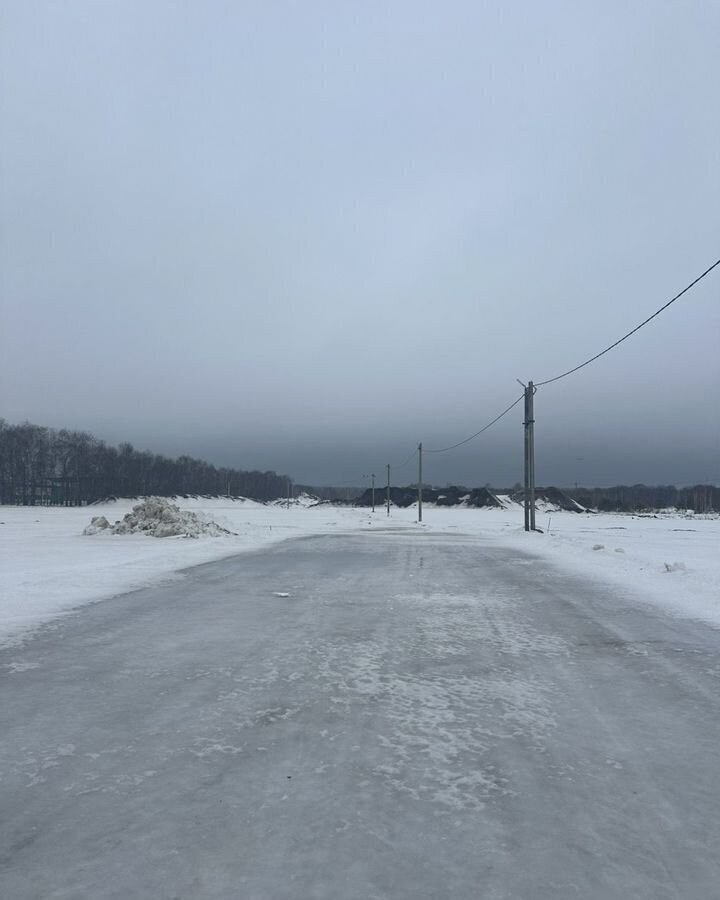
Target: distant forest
(44,467)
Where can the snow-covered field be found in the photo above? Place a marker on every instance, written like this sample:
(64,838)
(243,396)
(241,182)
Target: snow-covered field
(47,565)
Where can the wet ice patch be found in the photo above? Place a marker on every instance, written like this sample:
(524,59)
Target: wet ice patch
(20,666)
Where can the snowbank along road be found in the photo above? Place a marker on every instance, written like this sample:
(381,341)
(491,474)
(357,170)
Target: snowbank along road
(371,716)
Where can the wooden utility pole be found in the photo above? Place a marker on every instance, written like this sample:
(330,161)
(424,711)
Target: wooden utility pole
(420,482)
(373,491)
(387,491)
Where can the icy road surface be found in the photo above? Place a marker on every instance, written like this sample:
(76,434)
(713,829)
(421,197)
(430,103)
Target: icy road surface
(369,716)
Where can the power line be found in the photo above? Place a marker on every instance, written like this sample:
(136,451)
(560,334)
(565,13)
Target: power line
(626,336)
(477,433)
(353,482)
(557,377)
(403,464)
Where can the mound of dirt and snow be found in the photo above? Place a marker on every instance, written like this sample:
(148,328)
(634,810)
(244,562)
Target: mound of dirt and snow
(551,499)
(303,500)
(157,517)
(448,496)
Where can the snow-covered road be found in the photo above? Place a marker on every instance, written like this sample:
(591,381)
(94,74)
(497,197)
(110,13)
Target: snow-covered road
(423,716)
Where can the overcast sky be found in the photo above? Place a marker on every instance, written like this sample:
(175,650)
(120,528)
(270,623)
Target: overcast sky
(305,236)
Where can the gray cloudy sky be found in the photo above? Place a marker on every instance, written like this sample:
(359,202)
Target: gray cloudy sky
(304,236)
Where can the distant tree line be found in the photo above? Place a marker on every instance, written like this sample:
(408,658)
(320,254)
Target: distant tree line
(44,466)
(638,497)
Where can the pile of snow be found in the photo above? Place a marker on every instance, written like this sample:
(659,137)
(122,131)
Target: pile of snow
(157,517)
(303,500)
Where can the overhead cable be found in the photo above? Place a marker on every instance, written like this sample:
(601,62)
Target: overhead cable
(626,336)
(409,459)
(477,433)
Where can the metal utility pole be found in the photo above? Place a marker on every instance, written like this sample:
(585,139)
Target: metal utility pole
(529,423)
(387,492)
(531,450)
(526,448)
(420,482)
(373,491)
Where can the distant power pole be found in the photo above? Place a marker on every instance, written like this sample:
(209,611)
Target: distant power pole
(373,491)
(577,459)
(420,482)
(290,492)
(387,491)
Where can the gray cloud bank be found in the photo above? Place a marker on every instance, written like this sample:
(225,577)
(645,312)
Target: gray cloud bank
(305,237)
